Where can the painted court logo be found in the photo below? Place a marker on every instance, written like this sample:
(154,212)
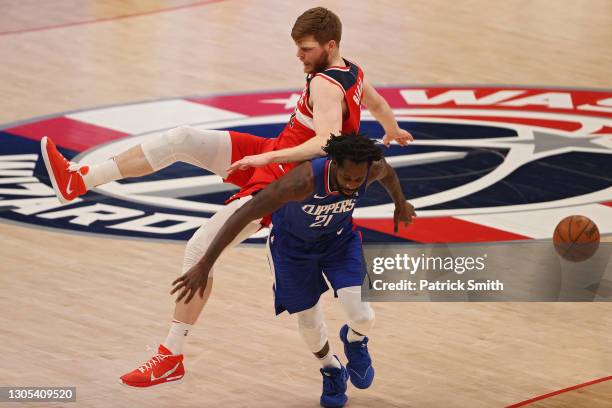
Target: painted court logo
(487,164)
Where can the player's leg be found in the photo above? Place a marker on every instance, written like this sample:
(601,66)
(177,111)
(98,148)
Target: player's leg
(195,250)
(212,150)
(345,268)
(312,328)
(360,316)
(166,365)
(298,285)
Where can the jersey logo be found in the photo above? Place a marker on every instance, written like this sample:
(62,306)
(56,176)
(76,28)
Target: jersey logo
(487,164)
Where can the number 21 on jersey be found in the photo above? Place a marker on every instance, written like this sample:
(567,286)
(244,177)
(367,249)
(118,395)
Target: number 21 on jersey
(322,220)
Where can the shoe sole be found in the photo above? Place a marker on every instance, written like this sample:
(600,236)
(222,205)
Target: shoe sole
(133,387)
(335,405)
(43,150)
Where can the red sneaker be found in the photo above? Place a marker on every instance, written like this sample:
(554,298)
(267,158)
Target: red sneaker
(66,177)
(163,367)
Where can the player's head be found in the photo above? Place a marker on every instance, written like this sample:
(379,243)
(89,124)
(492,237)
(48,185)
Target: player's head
(317,34)
(352,154)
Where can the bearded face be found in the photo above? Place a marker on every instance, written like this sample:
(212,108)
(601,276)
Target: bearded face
(314,56)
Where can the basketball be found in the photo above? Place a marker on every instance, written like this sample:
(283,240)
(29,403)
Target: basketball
(576,238)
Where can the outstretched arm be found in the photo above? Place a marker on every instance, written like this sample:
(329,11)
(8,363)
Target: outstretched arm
(380,109)
(295,186)
(382,172)
(327,118)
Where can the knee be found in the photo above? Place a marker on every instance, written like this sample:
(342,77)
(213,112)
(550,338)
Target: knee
(362,319)
(308,321)
(196,248)
(310,318)
(179,134)
(161,151)
(198,243)
(312,328)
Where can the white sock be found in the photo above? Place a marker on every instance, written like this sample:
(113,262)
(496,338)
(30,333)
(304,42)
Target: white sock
(102,173)
(352,336)
(329,360)
(176,336)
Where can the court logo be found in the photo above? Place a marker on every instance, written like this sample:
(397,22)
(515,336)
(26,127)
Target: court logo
(487,164)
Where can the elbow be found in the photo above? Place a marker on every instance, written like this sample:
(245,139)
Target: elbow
(320,152)
(321,143)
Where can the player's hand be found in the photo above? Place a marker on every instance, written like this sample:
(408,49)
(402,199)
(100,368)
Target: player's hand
(400,135)
(403,213)
(258,160)
(192,281)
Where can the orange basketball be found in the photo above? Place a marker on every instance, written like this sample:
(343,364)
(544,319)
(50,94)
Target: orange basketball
(576,238)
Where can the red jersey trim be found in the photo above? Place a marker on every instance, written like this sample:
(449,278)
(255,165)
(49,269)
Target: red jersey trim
(308,106)
(304,120)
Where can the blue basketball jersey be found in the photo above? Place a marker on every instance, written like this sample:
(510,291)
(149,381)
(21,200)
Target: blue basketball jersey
(326,214)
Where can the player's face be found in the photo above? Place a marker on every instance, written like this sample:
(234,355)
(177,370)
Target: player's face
(350,176)
(314,56)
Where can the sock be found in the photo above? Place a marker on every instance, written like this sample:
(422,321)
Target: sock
(329,361)
(351,336)
(176,336)
(102,173)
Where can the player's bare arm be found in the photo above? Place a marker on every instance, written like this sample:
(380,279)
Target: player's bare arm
(382,172)
(379,108)
(295,186)
(326,101)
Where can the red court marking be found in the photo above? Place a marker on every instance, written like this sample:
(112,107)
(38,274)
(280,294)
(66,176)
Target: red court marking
(556,124)
(605,130)
(564,390)
(441,229)
(250,104)
(579,97)
(103,20)
(69,133)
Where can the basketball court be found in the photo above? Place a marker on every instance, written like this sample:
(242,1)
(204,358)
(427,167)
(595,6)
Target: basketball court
(510,104)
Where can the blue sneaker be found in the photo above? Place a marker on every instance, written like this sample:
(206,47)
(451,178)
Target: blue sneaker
(359,364)
(334,387)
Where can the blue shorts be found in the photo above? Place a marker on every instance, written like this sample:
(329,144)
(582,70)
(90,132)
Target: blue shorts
(298,267)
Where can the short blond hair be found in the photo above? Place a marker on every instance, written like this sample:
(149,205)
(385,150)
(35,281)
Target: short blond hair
(323,24)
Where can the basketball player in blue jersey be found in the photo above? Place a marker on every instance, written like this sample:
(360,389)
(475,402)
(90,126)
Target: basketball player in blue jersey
(312,235)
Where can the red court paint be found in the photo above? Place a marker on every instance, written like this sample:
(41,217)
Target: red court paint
(440,229)
(68,133)
(552,394)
